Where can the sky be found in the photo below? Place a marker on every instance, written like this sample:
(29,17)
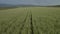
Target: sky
(34,2)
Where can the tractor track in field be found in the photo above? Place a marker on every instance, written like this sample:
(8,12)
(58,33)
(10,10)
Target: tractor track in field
(31,23)
(13,21)
(23,23)
(29,14)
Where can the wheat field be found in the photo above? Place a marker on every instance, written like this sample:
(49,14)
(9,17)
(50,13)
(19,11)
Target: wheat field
(30,20)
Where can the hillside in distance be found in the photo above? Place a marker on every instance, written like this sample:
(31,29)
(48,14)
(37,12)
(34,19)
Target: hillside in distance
(5,5)
(19,5)
(25,5)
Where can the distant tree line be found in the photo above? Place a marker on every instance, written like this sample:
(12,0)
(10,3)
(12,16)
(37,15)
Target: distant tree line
(16,6)
(54,6)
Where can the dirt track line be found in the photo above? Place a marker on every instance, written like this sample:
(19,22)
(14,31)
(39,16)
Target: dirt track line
(31,23)
(23,23)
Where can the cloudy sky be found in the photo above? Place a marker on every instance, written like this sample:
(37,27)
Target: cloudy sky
(35,2)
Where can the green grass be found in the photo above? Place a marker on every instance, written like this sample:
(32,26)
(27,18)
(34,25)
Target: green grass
(30,20)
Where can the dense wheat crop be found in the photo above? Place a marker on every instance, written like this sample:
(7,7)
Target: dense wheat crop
(30,20)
